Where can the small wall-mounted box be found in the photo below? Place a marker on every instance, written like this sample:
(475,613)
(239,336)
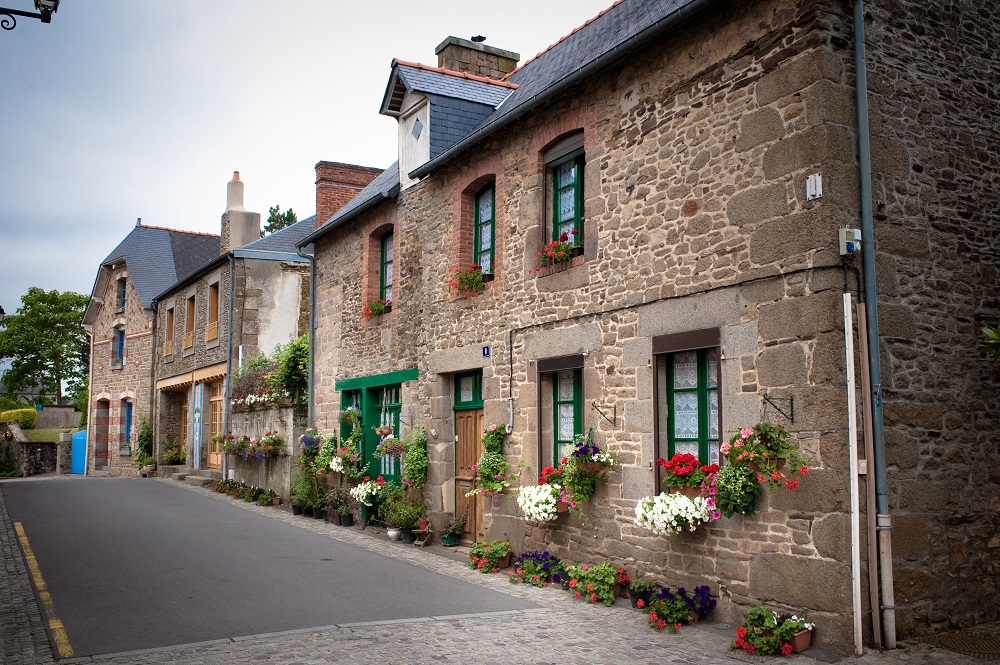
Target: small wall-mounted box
(850,241)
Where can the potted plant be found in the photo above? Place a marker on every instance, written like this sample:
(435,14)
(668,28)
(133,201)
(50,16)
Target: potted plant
(666,514)
(597,583)
(539,502)
(684,473)
(453,531)
(668,610)
(467,283)
(623,582)
(489,557)
(174,453)
(268,497)
(377,307)
(534,568)
(734,488)
(300,493)
(336,503)
(765,632)
(145,465)
(639,592)
(765,450)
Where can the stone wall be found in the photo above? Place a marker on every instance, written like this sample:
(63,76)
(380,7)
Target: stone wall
(696,216)
(276,474)
(937,215)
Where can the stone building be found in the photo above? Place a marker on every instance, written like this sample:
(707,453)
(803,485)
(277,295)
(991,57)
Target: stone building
(685,143)
(120,322)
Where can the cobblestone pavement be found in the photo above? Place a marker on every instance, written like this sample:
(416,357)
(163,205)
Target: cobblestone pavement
(560,631)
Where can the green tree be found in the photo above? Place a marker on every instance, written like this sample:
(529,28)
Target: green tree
(43,342)
(277,220)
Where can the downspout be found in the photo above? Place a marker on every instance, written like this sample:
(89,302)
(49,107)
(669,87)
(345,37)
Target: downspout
(229,363)
(888,609)
(90,402)
(311,258)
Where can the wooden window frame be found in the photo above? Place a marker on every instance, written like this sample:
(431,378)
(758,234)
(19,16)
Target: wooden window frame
(477,250)
(664,348)
(212,329)
(551,366)
(120,295)
(168,333)
(477,391)
(577,402)
(386,274)
(215,396)
(578,160)
(189,321)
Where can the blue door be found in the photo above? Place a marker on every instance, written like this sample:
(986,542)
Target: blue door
(79,457)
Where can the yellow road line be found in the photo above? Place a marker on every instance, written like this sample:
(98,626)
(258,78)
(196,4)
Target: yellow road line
(55,625)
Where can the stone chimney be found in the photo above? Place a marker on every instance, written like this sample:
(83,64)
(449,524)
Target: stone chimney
(475,57)
(239,226)
(336,184)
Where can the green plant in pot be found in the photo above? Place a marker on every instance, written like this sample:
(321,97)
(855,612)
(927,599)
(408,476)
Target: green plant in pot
(452,531)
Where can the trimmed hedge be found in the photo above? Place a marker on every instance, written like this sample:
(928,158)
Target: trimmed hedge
(25,418)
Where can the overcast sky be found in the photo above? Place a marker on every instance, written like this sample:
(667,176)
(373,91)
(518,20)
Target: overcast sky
(121,109)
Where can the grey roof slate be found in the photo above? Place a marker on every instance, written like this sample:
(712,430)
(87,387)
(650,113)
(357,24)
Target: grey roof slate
(609,35)
(285,240)
(157,258)
(449,85)
(452,119)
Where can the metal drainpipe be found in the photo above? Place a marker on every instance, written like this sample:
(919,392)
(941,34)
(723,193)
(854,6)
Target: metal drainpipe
(229,363)
(312,327)
(871,310)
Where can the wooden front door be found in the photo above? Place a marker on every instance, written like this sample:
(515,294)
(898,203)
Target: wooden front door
(214,426)
(468,449)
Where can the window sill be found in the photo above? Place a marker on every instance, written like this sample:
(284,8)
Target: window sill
(117,365)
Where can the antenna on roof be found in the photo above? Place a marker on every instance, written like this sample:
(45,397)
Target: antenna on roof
(138,221)
(479,39)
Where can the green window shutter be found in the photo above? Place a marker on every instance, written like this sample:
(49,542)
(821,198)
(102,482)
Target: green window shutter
(567,199)
(567,406)
(485,233)
(385,272)
(690,396)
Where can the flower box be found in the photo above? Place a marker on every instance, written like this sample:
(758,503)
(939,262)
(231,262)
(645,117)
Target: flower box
(552,268)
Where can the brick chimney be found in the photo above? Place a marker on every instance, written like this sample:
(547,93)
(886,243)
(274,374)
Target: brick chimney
(475,57)
(239,226)
(336,184)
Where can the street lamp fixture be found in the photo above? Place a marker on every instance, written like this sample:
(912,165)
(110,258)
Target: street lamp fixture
(46,8)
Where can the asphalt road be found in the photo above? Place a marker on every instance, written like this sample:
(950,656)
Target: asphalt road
(136,564)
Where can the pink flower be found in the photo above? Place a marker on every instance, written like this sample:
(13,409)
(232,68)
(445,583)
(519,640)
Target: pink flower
(745,432)
(724,448)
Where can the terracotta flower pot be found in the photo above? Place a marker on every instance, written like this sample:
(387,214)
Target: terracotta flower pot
(800,641)
(691,492)
(561,506)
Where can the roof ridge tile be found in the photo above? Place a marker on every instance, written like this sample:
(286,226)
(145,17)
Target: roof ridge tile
(193,233)
(561,40)
(464,75)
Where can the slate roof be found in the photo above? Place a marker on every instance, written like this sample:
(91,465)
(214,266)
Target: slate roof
(618,31)
(441,82)
(385,186)
(157,258)
(285,240)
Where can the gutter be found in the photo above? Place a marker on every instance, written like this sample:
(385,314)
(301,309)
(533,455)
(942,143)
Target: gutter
(311,258)
(888,609)
(606,59)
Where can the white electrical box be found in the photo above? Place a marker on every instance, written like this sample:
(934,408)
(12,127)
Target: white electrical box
(850,241)
(814,187)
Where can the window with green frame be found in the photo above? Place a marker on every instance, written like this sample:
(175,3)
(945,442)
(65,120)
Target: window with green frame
(688,412)
(567,198)
(567,410)
(385,268)
(469,390)
(485,225)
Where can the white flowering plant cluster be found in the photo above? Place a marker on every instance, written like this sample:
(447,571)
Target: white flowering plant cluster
(538,502)
(665,514)
(366,491)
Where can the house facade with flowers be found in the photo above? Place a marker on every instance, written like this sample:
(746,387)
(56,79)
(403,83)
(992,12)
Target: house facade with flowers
(623,243)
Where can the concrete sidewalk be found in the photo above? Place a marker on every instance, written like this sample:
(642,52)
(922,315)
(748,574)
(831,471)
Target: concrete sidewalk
(561,630)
